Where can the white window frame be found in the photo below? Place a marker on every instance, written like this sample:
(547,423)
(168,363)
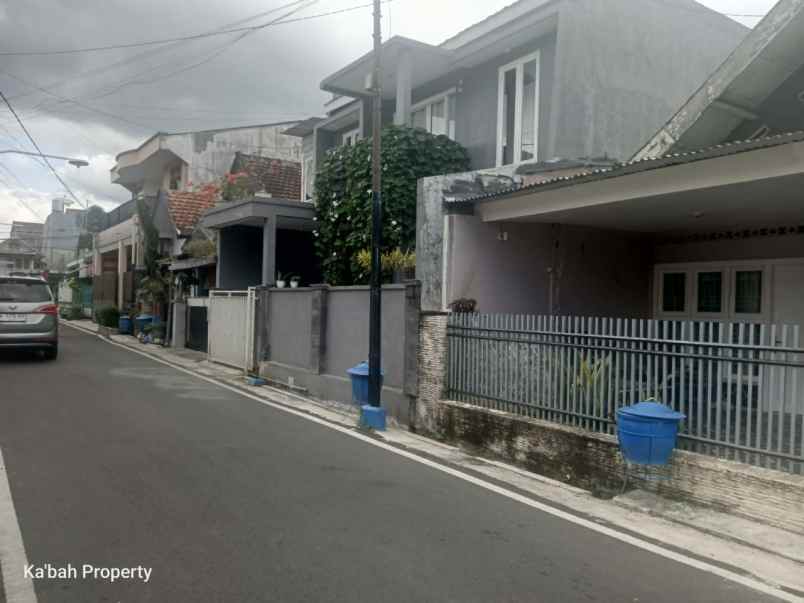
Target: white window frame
(307,166)
(724,293)
(729,270)
(519,66)
(428,103)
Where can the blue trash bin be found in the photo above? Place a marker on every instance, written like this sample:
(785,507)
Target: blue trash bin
(360,379)
(647,432)
(124,325)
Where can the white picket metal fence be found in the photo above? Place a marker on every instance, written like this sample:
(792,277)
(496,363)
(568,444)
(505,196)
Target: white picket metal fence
(231,327)
(740,385)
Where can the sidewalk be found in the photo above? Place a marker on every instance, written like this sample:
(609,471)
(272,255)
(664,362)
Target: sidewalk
(767,553)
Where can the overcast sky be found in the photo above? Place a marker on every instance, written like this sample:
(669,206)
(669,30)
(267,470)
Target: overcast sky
(127,95)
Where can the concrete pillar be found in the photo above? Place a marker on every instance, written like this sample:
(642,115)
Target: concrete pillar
(268,253)
(410,378)
(121,270)
(404,79)
(179,335)
(262,327)
(318,328)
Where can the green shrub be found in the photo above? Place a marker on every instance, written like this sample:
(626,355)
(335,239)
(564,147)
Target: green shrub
(343,196)
(108,316)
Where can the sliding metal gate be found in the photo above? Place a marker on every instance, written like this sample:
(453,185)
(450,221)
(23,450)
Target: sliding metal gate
(231,327)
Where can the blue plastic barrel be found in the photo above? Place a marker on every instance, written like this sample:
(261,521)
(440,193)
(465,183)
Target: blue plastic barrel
(124,325)
(360,379)
(647,432)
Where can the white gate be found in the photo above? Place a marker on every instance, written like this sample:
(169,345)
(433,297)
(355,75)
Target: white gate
(231,327)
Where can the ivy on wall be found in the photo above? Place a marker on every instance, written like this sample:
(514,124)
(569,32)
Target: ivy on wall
(343,196)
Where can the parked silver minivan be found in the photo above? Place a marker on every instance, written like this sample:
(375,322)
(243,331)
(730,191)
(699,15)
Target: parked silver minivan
(29,316)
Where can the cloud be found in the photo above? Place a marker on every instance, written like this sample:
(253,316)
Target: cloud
(126,95)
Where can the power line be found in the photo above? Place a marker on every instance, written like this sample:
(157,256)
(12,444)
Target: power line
(38,150)
(133,80)
(184,38)
(103,68)
(72,100)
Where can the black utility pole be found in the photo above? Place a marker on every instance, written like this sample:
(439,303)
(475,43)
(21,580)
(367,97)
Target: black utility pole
(375,336)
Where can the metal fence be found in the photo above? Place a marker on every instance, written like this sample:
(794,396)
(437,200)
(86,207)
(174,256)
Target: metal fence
(740,385)
(230,334)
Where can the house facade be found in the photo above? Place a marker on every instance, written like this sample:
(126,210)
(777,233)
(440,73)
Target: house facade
(676,232)
(179,161)
(538,80)
(16,256)
(676,275)
(30,233)
(60,235)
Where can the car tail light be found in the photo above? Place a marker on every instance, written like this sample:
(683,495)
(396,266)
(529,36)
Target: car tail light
(51,309)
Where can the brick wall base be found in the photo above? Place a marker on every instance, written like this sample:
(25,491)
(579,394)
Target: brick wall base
(592,461)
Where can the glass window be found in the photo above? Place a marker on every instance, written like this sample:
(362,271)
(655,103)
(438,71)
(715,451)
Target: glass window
(748,292)
(508,116)
(518,110)
(710,292)
(674,292)
(529,87)
(438,117)
(24,291)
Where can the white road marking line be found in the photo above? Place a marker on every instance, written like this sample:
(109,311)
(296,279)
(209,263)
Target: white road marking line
(17,587)
(580,521)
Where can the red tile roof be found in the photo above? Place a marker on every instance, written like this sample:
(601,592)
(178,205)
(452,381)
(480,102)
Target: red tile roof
(186,208)
(278,177)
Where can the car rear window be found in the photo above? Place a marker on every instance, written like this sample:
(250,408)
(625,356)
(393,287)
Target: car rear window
(23,291)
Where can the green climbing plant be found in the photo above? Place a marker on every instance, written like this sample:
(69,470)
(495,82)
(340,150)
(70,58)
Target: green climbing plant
(343,196)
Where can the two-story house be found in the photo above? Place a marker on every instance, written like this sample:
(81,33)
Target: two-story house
(537,80)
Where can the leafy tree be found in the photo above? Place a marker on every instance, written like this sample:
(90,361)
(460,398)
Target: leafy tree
(94,219)
(343,195)
(150,237)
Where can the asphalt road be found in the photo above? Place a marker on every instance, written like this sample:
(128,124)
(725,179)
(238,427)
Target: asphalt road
(118,461)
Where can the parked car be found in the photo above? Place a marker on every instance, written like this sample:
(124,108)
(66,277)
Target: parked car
(28,315)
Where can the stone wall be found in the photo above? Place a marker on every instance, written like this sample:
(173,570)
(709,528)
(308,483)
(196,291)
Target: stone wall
(591,460)
(308,338)
(432,361)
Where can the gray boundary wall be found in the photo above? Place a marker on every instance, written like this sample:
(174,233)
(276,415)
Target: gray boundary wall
(591,460)
(308,337)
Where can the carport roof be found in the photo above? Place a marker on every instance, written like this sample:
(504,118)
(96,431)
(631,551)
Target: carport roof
(632,167)
(254,211)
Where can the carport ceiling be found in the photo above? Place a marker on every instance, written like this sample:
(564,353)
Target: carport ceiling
(760,203)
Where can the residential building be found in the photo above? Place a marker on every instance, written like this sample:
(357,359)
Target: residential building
(176,162)
(60,235)
(540,79)
(711,233)
(29,233)
(16,256)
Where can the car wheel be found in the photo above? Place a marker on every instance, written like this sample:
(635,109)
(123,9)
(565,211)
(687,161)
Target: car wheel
(52,353)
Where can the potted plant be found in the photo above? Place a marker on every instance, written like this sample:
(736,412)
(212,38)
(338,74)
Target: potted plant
(294,281)
(280,280)
(403,264)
